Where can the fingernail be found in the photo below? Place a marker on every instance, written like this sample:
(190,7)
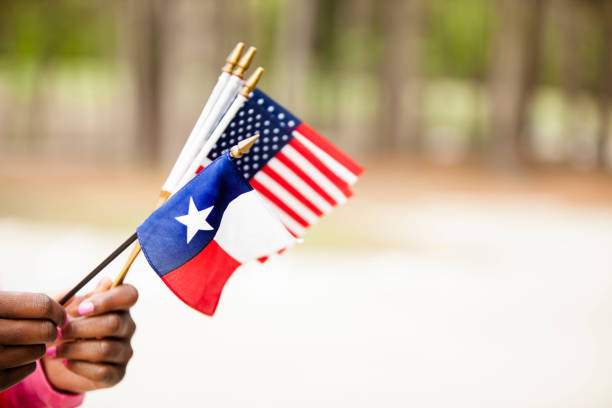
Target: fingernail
(85,308)
(99,284)
(52,352)
(65,362)
(59,332)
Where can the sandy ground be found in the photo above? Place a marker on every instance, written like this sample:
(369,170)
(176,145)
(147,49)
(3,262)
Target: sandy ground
(463,300)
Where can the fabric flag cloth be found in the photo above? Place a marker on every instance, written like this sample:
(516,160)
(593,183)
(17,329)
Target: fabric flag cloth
(299,173)
(217,222)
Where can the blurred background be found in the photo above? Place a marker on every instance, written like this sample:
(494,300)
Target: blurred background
(472,266)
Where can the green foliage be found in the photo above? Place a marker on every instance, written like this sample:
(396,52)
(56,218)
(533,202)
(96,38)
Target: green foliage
(40,31)
(458,38)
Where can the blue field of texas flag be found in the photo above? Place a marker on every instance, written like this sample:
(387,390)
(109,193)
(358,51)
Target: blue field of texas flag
(205,231)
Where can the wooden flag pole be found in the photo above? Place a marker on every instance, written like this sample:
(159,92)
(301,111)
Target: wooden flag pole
(235,152)
(163,197)
(249,85)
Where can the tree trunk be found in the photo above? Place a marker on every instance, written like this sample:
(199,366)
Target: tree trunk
(512,53)
(534,28)
(400,115)
(147,61)
(355,19)
(572,35)
(295,42)
(605,94)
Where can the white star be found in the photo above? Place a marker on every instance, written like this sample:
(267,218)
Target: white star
(195,220)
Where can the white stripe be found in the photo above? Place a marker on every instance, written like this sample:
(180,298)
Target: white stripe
(299,184)
(248,231)
(332,164)
(314,173)
(289,222)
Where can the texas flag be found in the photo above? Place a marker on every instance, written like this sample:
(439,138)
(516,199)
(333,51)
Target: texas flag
(206,230)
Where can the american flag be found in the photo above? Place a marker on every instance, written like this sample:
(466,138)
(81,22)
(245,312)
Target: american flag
(297,171)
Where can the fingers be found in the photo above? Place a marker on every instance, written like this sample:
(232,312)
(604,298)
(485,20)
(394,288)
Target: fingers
(15,356)
(19,332)
(105,375)
(17,305)
(96,351)
(12,376)
(72,306)
(104,285)
(118,325)
(120,298)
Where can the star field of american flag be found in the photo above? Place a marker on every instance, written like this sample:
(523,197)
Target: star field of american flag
(297,171)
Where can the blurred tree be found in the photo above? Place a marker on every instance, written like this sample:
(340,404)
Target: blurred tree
(357,56)
(533,63)
(458,40)
(400,113)
(360,70)
(294,48)
(513,56)
(605,91)
(147,22)
(571,16)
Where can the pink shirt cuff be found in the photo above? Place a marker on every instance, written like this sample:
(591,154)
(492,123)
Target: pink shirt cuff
(36,392)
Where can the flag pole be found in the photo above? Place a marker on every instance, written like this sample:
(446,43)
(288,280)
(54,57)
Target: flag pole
(200,130)
(236,152)
(234,83)
(231,112)
(194,141)
(98,268)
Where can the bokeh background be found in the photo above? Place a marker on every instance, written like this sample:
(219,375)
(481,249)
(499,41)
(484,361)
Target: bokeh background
(472,267)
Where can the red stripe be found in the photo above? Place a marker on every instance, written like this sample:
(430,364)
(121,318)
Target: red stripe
(314,160)
(298,171)
(279,203)
(290,189)
(329,148)
(200,280)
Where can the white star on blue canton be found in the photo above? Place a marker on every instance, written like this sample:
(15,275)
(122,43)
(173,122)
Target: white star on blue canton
(195,220)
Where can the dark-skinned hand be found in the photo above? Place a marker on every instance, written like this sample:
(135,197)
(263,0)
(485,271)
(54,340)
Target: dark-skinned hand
(27,322)
(94,348)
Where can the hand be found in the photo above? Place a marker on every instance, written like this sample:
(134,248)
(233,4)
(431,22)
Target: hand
(27,322)
(95,344)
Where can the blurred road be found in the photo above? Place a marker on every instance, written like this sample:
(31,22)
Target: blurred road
(475,301)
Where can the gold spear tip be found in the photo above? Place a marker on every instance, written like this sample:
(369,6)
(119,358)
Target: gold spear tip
(232,58)
(243,146)
(244,62)
(251,83)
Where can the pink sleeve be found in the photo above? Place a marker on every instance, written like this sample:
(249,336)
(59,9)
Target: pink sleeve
(36,392)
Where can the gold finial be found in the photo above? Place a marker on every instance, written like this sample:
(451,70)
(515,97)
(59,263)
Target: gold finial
(251,83)
(244,62)
(243,147)
(232,58)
